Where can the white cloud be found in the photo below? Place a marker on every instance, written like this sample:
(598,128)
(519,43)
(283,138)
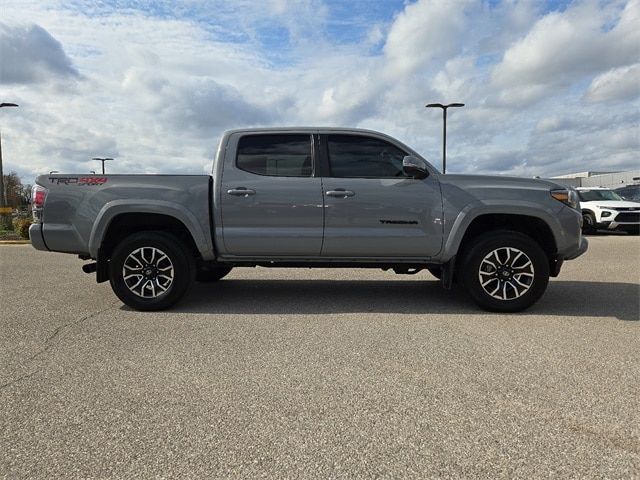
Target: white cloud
(617,84)
(425,30)
(31,55)
(562,46)
(457,78)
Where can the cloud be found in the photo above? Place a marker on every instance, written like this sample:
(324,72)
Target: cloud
(208,106)
(563,46)
(424,30)
(617,84)
(29,54)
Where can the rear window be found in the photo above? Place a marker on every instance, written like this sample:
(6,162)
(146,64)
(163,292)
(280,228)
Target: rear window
(275,155)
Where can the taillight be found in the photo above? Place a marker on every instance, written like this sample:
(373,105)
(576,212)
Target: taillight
(38,196)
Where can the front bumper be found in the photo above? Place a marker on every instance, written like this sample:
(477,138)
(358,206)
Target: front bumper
(36,237)
(584,245)
(616,225)
(617,220)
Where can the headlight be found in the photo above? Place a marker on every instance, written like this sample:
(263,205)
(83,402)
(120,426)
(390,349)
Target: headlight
(568,197)
(605,214)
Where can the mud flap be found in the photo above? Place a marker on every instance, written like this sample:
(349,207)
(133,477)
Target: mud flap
(446,280)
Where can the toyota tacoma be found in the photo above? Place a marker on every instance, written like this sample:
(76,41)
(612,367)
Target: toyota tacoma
(311,197)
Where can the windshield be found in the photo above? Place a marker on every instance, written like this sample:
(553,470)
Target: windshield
(630,193)
(595,195)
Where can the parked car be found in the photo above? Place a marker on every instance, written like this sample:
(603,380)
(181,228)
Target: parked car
(602,208)
(311,197)
(630,192)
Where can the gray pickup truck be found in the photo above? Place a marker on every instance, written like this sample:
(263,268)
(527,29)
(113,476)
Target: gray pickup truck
(311,197)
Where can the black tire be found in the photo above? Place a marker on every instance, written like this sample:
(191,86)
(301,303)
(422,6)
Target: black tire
(182,267)
(436,272)
(212,274)
(535,277)
(588,222)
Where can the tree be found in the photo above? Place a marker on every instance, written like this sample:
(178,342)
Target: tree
(18,195)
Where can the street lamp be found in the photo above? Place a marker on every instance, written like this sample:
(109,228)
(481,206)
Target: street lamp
(102,160)
(4,220)
(444,129)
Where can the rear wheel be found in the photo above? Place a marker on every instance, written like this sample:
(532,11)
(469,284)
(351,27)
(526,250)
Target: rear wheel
(151,270)
(505,271)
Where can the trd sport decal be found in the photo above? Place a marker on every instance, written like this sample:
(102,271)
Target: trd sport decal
(91,181)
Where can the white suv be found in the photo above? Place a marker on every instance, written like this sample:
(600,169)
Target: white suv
(603,208)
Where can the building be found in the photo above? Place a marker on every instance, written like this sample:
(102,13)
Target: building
(600,179)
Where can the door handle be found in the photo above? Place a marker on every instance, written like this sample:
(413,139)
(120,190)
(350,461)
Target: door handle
(340,193)
(241,192)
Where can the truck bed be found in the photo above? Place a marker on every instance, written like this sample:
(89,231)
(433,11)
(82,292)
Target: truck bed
(81,207)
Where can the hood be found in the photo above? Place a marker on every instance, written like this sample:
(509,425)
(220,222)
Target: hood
(612,203)
(497,181)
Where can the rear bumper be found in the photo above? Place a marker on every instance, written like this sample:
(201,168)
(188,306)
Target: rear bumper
(584,245)
(35,235)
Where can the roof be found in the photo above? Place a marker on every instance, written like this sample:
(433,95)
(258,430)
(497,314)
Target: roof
(289,128)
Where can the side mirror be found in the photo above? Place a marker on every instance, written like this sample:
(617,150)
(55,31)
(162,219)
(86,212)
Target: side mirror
(415,167)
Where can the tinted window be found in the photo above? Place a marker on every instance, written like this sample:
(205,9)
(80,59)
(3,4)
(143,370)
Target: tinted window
(276,155)
(359,156)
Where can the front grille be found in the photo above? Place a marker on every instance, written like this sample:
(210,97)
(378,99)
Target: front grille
(626,209)
(628,217)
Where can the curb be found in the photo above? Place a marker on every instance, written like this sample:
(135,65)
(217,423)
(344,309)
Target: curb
(15,242)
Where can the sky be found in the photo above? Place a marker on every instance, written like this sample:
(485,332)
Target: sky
(550,87)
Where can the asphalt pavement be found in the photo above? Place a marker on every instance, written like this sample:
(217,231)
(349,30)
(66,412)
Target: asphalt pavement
(275,373)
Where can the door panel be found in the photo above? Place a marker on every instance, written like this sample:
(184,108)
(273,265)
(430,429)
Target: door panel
(278,215)
(390,217)
(383,218)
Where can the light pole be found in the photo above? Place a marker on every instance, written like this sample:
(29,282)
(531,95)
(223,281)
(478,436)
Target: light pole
(102,160)
(4,220)
(444,129)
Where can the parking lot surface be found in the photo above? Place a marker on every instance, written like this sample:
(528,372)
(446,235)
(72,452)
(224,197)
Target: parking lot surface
(320,374)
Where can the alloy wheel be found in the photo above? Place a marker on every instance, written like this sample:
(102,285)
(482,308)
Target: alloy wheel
(148,272)
(506,273)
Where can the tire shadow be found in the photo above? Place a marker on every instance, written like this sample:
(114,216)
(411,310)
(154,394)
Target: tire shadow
(309,297)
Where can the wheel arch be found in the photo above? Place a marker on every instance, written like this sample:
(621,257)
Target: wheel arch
(120,219)
(534,226)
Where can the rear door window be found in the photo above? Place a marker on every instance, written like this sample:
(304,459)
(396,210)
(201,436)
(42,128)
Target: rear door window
(280,155)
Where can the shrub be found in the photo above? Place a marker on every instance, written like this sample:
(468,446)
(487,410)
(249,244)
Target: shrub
(21,226)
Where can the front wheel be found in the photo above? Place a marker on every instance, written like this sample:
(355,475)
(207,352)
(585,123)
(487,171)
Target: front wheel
(588,223)
(151,270)
(505,271)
